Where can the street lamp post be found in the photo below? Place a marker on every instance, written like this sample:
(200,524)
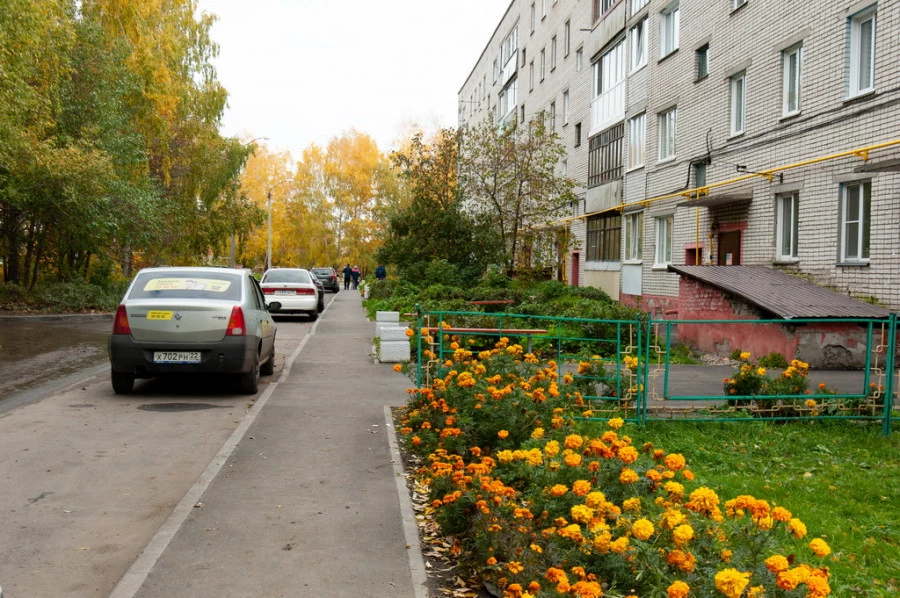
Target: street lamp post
(269,211)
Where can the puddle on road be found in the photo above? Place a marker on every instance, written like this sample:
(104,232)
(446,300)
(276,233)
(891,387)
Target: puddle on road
(177,407)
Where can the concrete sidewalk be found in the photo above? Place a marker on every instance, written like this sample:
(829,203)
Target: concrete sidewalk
(307,504)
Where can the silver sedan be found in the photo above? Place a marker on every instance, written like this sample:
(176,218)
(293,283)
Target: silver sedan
(182,319)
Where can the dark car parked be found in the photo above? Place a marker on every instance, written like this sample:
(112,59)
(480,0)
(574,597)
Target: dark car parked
(328,277)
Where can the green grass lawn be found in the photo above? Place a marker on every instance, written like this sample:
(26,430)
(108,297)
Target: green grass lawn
(840,478)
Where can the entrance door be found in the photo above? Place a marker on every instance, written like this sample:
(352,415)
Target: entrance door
(730,248)
(576,269)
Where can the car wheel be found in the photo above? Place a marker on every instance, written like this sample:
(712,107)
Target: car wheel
(122,382)
(268,368)
(322,304)
(313,315)
(249,381)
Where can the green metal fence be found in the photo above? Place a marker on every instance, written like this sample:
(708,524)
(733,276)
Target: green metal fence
(628,366)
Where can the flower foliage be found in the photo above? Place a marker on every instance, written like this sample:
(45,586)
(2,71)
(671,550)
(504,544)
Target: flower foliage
(543,507)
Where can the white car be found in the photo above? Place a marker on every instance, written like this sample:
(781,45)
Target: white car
(292,290)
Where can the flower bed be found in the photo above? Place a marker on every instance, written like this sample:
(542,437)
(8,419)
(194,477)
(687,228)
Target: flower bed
(539,503)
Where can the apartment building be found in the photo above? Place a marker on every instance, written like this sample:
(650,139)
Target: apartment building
(712,132)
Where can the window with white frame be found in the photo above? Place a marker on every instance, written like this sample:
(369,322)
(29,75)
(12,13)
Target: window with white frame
(739,3)
(608,97)
(856,199)
(668,30)
(791,67)
(637,5)
(567,38)
(543,8)
(533,16)
(543,63)
(663,240)
(604,236)
(566,107)
(553,116)
(787,209)
(667,126)
(637,138)
(605,156)
(579,59)
(507,99)
(639,45)
(738,85)
(862,52)
(552,52)
(634,234)
(531,76)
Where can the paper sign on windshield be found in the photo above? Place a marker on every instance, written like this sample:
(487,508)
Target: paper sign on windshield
(187,284)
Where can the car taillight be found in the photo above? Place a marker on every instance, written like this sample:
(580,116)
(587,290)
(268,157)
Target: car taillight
(120,324)
(305,291)
(268,291)
(236,323)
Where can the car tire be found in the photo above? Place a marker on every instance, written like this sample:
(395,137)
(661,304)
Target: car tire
(268,368)
(313,315)
(249,381)
(122,382)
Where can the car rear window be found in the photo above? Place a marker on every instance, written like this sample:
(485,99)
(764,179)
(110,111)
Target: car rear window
(299,276)
(186,285)
(326,271)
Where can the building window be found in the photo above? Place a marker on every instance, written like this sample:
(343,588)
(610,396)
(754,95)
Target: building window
(637,137)
(862,52)
(636,5)
(543,8)
(496,69)
(553,116)
(522,115)
(567,38)
(786,226)
(700,175)
(579,59)
(605,156)
(608,95)
(565,107)
(856,199)
(531,76)
(601,7)
(634,234)
(577,134)
(702,62)
(663,240)
(552,52)
(604,238)
(564,168)
(739,3)
(543,63)
(668,30)
(667,125)
(639,45)
(791,67)
(507,100)
(738,84)
(533,14)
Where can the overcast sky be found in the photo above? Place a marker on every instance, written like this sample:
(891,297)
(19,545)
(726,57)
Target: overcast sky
(304,71)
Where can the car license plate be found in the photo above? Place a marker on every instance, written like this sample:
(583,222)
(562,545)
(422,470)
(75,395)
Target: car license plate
(176,357)
(285,293)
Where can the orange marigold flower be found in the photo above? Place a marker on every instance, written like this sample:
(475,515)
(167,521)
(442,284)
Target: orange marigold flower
(642,529)
(796,527)
(515,567)
(492,561)
(502,434)
(398,367)
(781,514)
(777,563)
(628,476)
(678,589)
(818,587)
(675,461)
(409,332)
(586,589)
(513,590)
(581,487)
(819,547)
(687,474)
(732,582)
(573,441)
(627,454)
(572,460)
(537,433)
(558,490)
(555,575)
(615,423)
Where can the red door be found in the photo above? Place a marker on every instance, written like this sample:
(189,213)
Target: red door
(576,269)
(730,248)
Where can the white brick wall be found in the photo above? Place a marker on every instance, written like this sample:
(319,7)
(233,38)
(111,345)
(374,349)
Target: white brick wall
(750,38)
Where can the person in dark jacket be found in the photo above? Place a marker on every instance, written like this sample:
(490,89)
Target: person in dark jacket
(355,274)
(348,274)
(380,272)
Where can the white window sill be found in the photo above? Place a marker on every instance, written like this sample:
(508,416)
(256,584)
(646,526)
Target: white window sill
(633,263)
(786,260)
(634,168)
(735,135)
(637,68)
(856,264)
(860,94)
(666,160)
(790,115)
(661,267)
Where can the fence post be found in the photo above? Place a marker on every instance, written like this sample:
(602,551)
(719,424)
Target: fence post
(891,374)
(419,318)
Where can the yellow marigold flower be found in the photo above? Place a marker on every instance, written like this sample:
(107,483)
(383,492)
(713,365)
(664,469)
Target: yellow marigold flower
(505,456)
(538,433)
(595,499)
(818,587)
(761,371)
(581,513)
(671,519)
(781,514)
(555,575)
(819,547)
(703,500)
(492,561)
(581,487)
(675,461)
(551,449)
(619,545)
(631,505)
(514,567)
(745,355)
(579,572)
(572,460)
(536,548)
(756,592)
(573,441)
(616,423)
(628,476)
(678,589)
(796,527)
(627,454)
(558,490)
(811,403)
(790,579)
(674,489)
(682,534)
(732,582)
(726,555)
(642,529)
(586,589)
(502,434)
(398,367)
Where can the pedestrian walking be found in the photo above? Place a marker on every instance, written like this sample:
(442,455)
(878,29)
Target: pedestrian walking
(355,274)
(348,274)
(380,272)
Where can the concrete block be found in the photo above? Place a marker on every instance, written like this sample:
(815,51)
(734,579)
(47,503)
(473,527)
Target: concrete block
(387,316)
(394,333)
(394,351)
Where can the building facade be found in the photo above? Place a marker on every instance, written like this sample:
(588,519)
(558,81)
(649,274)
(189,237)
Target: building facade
(712,132)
